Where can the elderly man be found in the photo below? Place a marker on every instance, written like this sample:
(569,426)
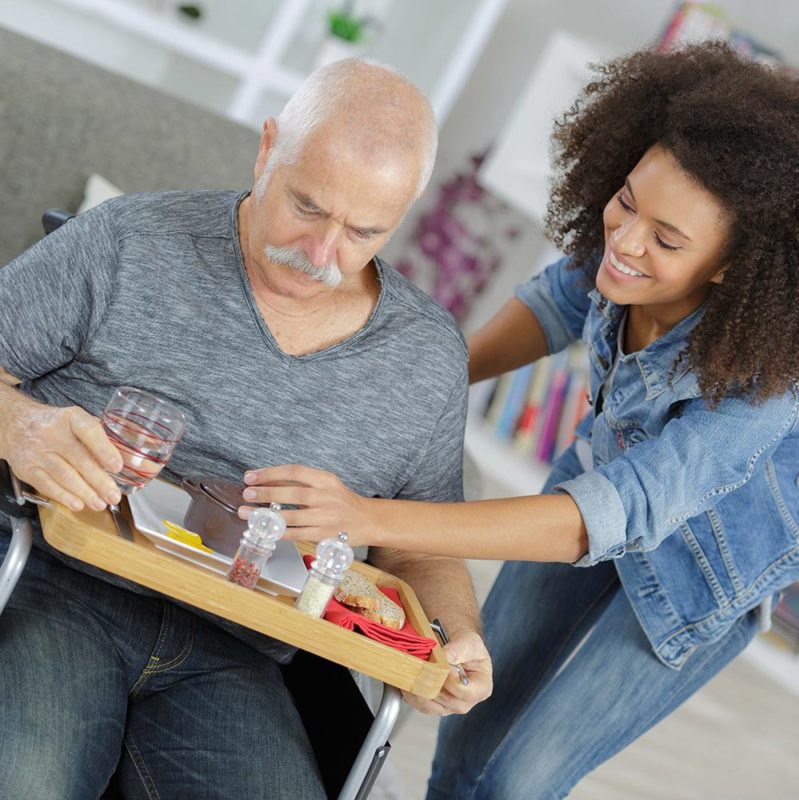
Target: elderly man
(270,320)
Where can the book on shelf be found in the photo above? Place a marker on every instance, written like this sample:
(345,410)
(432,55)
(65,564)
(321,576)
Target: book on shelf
(575,403)
(529,424)
(552,410)
(513,402)
(537,407)
(497,398)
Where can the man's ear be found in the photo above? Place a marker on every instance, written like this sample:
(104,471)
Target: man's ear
(268,139)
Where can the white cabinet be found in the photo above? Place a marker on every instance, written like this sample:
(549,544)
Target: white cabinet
(243,58)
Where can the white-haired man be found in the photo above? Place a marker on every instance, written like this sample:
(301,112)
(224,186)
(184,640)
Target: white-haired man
(270,320)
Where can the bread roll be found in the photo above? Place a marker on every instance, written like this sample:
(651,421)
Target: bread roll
(357,591)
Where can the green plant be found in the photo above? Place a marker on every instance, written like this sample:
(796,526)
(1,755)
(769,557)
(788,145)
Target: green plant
(345,25)
(190,10)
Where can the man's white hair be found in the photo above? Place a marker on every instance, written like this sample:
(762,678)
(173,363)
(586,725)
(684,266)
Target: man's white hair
(335,88)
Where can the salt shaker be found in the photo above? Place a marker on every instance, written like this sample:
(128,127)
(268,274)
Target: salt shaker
(333,558)
(264,527)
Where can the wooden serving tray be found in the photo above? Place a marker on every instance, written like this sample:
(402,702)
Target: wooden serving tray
(91,536)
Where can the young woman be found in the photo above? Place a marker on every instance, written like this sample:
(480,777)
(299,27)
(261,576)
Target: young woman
(676,511)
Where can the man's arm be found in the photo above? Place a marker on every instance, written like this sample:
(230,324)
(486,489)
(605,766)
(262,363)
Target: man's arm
(53,297)
(444,589)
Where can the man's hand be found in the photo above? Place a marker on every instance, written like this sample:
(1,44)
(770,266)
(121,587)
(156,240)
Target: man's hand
(327,505)
(468,650)
(63,453)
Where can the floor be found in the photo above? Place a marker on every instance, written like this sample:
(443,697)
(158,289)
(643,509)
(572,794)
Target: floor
(736,739)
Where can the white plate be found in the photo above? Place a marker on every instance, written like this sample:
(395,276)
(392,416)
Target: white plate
(284,573)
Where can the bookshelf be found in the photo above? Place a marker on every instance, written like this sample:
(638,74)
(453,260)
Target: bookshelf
(505,472)
(519,422)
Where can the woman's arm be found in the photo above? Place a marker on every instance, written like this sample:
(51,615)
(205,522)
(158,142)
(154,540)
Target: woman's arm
(536,528)
(546,315)
(510,339)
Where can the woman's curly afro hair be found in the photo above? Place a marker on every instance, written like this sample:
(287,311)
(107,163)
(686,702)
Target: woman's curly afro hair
(734,126)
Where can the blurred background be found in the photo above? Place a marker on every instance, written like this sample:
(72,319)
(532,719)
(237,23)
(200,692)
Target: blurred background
(496,72)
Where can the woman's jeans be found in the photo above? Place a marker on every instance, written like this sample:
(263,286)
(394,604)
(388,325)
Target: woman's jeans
(552,720)
(95,679)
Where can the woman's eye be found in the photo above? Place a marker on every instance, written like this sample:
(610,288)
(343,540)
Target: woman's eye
(626,206)
(663,244)
(306,212)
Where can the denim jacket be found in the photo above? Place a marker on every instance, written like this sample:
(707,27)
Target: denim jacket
(700,507)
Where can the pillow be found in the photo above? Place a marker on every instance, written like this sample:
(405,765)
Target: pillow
(97,190)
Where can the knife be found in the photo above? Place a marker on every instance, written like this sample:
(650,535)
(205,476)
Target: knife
(438,626)
(23,495)
(121,522)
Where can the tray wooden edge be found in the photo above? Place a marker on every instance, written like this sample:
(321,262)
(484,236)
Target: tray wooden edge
(91,537)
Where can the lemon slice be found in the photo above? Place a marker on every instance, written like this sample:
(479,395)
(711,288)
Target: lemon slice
(190,538)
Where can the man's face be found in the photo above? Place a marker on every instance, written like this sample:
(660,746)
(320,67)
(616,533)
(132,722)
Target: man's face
(328,211)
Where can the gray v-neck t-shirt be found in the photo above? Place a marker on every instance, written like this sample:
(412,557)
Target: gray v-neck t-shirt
(149,290)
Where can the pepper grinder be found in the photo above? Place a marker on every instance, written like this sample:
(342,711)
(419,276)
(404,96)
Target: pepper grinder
(333,558)
(264,527)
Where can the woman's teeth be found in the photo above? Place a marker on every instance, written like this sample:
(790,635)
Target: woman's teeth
(622,268)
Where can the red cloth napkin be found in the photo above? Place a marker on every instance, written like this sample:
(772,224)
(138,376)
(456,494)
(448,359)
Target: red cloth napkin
(407,639)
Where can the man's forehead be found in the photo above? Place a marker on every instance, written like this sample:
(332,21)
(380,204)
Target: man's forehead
(348,154)
(359,194)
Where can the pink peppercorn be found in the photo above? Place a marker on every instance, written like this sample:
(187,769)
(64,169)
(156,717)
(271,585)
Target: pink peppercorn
(244,572)
(264,527)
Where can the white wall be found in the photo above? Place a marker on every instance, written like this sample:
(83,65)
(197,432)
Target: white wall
(521,32)
(501,73)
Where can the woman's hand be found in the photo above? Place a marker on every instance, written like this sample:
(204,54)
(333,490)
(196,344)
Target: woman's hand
(468,650)
(327,506)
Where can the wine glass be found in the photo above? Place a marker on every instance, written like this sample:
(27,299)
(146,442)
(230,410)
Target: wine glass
(145,429)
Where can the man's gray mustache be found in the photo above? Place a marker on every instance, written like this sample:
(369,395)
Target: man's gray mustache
(329,273)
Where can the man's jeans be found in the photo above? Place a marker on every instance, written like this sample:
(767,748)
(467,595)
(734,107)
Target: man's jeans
(544,729)
(94,678)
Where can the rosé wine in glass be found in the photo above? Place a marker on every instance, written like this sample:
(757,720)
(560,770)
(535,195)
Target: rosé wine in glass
(145,429)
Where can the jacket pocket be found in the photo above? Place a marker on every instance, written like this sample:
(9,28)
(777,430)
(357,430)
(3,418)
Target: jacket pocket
(750,531)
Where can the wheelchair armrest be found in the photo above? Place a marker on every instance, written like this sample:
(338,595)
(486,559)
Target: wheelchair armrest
(8,497)
(54,218)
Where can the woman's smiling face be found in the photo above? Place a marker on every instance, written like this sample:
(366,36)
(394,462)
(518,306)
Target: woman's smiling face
(664,240)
